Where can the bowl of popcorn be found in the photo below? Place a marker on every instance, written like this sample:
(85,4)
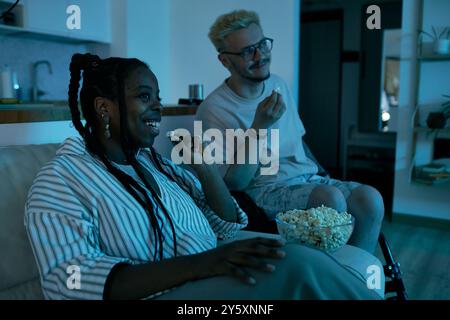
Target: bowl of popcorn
(322,227)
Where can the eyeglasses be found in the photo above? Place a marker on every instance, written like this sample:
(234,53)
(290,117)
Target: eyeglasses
(248,53)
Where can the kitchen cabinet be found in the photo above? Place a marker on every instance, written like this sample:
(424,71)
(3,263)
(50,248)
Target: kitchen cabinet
(95,20)
(46,16)
(15,17)
(50,17)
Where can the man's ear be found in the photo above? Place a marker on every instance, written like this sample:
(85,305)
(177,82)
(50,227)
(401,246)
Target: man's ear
(224,60)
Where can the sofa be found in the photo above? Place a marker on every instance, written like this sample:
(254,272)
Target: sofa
(19,276)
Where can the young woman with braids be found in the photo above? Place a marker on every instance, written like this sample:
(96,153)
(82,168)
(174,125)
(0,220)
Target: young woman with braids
(109,218)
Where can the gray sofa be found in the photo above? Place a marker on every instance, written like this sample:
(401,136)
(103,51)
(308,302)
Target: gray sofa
(19,276)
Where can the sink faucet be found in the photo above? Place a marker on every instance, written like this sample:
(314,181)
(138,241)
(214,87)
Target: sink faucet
(35,91)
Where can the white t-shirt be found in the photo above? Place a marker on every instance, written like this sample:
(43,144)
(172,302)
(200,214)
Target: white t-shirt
(224,109)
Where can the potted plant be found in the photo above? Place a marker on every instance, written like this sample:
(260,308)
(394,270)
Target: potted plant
(441,41)
(438,120)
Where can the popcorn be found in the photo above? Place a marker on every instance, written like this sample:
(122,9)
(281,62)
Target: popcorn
(172,136)
(320,227)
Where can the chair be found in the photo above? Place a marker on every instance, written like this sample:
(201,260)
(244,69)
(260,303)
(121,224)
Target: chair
(258,221)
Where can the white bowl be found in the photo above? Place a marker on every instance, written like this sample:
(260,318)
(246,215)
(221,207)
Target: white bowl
(328,238)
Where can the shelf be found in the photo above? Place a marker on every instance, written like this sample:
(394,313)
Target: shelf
(435,133)
(443,185)
(432,175)
(434,57)
(423,129)
(60,112)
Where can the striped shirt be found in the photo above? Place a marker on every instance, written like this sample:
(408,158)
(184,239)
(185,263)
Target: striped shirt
(78,214)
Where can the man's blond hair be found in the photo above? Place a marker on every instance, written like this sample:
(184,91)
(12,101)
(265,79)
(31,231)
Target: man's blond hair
(229,23)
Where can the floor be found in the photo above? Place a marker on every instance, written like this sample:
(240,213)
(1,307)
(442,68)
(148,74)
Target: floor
(424,256)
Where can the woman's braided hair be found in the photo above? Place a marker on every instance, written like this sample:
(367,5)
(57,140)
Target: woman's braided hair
(106,78)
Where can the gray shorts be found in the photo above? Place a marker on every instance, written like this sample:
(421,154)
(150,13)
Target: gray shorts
(294,194)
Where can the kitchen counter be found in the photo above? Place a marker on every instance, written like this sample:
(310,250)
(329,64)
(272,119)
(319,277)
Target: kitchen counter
(59,111)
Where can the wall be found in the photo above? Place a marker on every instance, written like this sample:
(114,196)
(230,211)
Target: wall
(141,30)
(36,133)
(193,58)
(171,36)
(20,54)
(133,35)
(410,198)
(175,44)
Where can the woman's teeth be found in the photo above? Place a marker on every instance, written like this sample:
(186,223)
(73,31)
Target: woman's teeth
(154,124)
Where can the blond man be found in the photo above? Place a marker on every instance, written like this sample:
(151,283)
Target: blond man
(252,97)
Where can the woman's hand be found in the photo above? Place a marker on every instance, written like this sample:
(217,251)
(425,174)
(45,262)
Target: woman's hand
(193,145)
(234,259)
(216,192)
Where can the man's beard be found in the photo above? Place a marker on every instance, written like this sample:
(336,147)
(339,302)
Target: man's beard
(257,79)
(253,78)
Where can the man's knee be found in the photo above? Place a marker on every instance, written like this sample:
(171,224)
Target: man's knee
(328,196)
(368,200)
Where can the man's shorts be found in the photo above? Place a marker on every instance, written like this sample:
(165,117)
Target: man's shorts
(294,194)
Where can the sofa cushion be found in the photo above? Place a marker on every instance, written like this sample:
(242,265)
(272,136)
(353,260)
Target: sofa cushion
(30,290)
(18,168)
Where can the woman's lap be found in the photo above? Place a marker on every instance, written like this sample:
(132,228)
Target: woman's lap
(304,273)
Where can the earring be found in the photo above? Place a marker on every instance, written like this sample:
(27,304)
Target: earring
(107,133)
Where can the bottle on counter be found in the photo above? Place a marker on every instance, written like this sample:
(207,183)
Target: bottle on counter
(7,93)
(16,87)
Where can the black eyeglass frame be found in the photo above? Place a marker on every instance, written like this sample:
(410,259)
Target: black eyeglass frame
(256,46)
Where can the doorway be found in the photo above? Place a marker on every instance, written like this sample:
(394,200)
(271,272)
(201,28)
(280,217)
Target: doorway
(320,85)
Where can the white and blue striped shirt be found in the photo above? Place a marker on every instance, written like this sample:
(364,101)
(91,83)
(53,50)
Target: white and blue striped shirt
(79,214)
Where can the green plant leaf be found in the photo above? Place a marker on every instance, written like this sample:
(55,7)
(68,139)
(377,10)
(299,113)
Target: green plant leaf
(447,30)
(427,34)
(435,33)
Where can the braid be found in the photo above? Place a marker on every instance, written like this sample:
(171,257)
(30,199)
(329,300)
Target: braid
(106,78)
(74,85)
(157,160)
(131,186)
(85,63)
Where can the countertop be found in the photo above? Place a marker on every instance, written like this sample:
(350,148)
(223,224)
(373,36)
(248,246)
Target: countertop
(59,111)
